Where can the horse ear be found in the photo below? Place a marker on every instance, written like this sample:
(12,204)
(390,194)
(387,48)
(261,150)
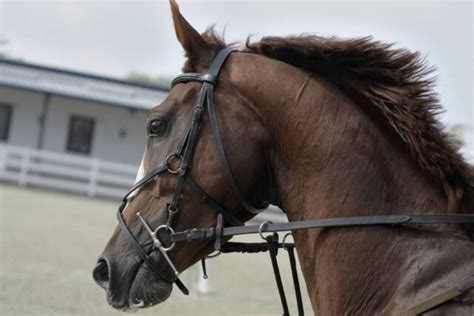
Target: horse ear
(197,50)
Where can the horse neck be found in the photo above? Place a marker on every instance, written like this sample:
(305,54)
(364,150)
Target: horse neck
(336,161)
(329,158)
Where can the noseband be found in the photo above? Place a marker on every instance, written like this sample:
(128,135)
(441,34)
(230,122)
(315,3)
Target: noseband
(178,164)
(182,157)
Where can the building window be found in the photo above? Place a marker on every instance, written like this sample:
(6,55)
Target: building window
(5,118)
(81,131)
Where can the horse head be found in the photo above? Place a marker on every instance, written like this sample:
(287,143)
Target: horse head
(192,173)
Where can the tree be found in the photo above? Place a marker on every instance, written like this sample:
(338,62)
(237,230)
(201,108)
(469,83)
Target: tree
(148,79)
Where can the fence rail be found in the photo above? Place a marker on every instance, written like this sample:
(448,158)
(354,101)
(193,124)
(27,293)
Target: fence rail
(94,177)
(69,173)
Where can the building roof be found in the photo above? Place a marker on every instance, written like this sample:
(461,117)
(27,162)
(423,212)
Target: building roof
(79,85)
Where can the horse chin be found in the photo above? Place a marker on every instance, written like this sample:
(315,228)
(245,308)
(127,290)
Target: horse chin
(147,290)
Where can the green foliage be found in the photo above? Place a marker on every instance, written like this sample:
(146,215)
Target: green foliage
(148,79)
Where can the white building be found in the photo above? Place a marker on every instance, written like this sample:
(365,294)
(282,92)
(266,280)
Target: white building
(71,131)
(72,112)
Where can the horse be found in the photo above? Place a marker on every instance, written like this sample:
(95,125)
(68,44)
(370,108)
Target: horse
(321,127)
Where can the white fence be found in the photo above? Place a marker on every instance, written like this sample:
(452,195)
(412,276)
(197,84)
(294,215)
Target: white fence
(30,167)
(70,173)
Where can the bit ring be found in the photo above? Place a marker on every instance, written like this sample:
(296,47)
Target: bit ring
(171,158)
(262,227)
(213,255)
(166,227)
(283,242)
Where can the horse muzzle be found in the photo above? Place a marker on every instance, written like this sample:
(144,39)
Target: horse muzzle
(130,285)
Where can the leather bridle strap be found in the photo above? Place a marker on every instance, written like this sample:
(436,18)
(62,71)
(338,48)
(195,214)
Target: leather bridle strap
(186,147)
(273,251)
(143,181)
(207,91)
(296,282)
(212,203)
(223,158)
(192,76)
(356,221)
(186,157)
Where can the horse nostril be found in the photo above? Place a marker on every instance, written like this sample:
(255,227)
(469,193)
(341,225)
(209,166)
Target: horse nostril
(101,273)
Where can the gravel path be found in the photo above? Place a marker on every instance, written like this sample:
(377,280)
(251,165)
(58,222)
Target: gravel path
(49,243)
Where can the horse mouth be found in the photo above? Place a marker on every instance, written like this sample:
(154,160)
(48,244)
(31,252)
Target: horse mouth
(148,289)
(141,288)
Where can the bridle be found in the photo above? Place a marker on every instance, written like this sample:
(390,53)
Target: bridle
(181,158)
(178,164)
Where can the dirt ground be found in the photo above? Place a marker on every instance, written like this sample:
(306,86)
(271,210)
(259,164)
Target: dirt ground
(49,243)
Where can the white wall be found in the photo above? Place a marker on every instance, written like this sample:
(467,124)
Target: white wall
(109,120)
(24,125)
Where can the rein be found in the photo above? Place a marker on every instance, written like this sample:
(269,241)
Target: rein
(227,224)
(195,234)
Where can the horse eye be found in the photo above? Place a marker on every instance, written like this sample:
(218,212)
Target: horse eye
(157,127)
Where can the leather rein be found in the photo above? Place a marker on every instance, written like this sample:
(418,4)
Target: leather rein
(178,164)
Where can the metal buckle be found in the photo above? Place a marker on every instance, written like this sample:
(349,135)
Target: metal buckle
(189,235)
(171,211)
(213,254)
(171,158)
(262,227)
(283,242)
